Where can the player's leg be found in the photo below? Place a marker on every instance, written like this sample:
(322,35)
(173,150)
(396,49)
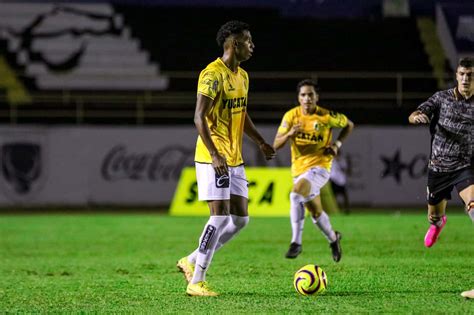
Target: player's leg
(467,195)
(345,198)
(322,221)
(238,220)
(437,219)
(301,189)
(196,272)
(207,244)
(439,190)
(217,193)
(341,192)
(239,217)
(318,177)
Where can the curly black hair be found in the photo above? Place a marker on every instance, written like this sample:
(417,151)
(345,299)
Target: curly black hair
(230,28)
(307,82)
(466,62)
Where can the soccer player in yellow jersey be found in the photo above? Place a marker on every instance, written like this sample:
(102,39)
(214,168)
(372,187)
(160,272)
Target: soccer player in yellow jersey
(221,119)
(309,128)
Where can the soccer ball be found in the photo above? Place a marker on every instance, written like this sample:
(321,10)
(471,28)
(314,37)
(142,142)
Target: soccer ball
(310,280)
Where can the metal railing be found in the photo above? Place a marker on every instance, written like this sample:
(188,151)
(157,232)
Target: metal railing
(151,104)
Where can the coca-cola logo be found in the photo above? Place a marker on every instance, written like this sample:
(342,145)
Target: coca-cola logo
(165,164)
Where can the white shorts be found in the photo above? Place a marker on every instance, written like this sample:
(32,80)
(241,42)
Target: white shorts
(317,177)
(211,187)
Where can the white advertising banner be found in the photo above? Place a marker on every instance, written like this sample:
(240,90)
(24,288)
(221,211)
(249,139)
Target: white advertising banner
(41,166)
(137,166)
(387,166)
(132,166)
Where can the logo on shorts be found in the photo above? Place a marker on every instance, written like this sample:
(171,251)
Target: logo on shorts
(222,181)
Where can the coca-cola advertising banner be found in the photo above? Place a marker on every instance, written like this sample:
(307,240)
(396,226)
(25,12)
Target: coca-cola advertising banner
(138,166)
(141,166)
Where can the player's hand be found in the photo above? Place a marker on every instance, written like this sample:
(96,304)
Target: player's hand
(267,150)
(421,118)
(294,130)
(219,164)
(331,150)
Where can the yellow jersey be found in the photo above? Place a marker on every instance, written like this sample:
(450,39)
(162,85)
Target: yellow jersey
(226,117)
(307,148)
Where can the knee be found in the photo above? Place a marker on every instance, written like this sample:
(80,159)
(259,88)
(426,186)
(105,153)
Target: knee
(316,212)
(240,222)
(296,197)
(219,208)
(300,191)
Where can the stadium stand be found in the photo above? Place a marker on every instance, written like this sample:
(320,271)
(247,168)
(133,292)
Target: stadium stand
(143,63)
(289,48)
(15,92)
(433,48)
(77,46)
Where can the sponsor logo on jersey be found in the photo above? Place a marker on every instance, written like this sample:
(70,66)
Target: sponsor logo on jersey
(236,102)
(310,136)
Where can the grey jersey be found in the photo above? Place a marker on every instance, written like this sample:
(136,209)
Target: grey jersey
(452,132)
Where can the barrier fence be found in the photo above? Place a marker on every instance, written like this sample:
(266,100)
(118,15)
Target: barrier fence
(130,166)
(267,105)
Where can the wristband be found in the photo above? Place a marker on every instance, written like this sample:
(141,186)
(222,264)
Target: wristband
(338,144)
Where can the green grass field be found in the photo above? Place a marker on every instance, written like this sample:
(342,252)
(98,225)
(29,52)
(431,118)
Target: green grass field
(126,263)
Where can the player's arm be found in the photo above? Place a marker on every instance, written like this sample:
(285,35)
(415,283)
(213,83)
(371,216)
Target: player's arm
(424,112)
(252,132)
(345,132)
(418,117)
(203,104)
(281,138)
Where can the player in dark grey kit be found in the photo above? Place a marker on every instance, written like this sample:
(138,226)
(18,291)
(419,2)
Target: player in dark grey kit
(451,117)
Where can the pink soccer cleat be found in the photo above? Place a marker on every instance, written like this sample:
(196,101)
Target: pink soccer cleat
(433,232)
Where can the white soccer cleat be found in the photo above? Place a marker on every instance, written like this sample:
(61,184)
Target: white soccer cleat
(468,294)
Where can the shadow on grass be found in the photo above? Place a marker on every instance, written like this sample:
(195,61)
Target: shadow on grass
(379,292)
(337,294)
